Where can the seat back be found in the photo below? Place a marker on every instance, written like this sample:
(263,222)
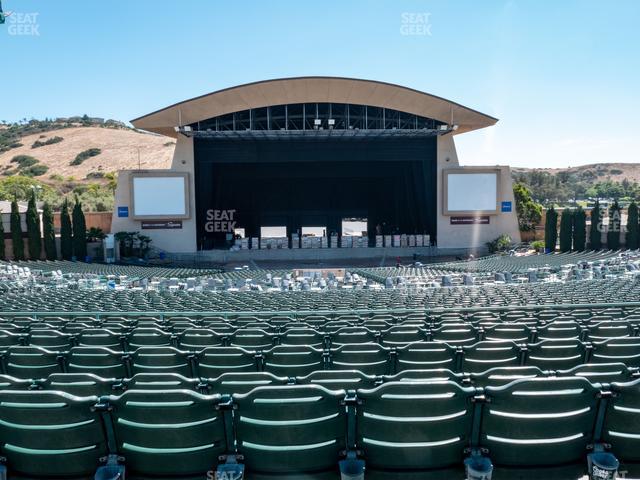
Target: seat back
(78,384)
(414,425)
(498,376)
(427,375)
(293,361)
(252,338)
(161,381)
(625,350)
(214,361)
(540,421)
(352,335)
(302,336)
(50,339)
(369,358)
(400,336)
(338,379)
(148,337)
(484,355)
(622,421)
(426,355)
(243,382)
(599,372)
(50,434)
(168,432)
(31,362)
(556,354)
(161,360)
(199,338)
(290,429)
(101,361)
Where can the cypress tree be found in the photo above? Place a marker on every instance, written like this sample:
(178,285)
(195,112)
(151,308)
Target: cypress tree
(16,232)
(613,233)
(79,232)
(551,230)
(595,236)
(2,251)
(50,249)
(566,230)
(632,239)
(66,236)
(33,229)
(579,229)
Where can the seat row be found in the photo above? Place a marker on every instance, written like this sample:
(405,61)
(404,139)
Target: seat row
(88,384)
(307,429)
(292,360)
(117,336)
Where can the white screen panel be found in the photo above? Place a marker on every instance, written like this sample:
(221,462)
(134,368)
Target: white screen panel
(472,192)
(159,196)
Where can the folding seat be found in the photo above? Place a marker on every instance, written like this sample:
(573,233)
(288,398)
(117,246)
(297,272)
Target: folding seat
(50,339)
(498,376)
(556,354)
(148,337)
(335,325)
(428,375)
(377,325)
(31,362)
(161,381)
(242,382)
(614,329)
(369,358)
(302,336)
(338,379)
(560,330)
(101,361)
(162,360)
(622,422)
(427,355)
(352,335)
(399,336)
(75,328)
(252,339)
(455,334)
(484,355)
(221,328)
(625,350)
(11,383)
(599,372)
(50,435)
(100,337)
(214,361)
(8,339)
(199,338)
(78,384)
(539,422)
(516,332)
(296,429)
(293,360)
(414,425)
(164,433)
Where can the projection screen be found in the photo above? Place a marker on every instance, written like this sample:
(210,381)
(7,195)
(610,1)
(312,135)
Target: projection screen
(160,196)
(471,192)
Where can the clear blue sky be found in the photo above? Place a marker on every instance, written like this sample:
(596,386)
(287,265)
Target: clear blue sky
(563,76)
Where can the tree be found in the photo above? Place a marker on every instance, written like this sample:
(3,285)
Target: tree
(66,236)
(551,230)
(33,229)
(595,235)
(529,212)
(2,251)
(613,232)
(579,229)
(632,239)
(566,230)
(79,232)
(50,249)
(16,232)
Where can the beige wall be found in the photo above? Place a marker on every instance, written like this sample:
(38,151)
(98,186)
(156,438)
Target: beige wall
(473,236)
(178,241)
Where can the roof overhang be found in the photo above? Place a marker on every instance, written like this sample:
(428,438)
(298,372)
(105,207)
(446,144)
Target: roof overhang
(312,90)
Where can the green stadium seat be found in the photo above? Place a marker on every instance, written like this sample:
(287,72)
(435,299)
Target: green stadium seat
(214,361)
(600,372)
(8,339)
(161,360)
(499,376)
(516,332)
(427,355)
(148,337)
(556,354)
(199,338)
(338,379)
(252,339)
(100,361)
(50,434)
(168,433)
(302,336)
(292,360)
(352,335)
(430,375)
(622,421)
(539,422)
(50,339)
(401,335)
(369,358)
(78,384)
(625,350)
(487,354)
(456,334)
(31,362)
(296,429)
(100,337)
(161,381)
(414,425)
(242,382)
(11,383)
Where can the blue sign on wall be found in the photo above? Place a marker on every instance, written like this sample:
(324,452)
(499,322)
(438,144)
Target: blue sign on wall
(506,207)
(123,212)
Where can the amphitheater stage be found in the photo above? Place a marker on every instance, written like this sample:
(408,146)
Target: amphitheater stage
(319,254)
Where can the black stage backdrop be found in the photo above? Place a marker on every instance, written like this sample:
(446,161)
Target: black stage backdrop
(316,182)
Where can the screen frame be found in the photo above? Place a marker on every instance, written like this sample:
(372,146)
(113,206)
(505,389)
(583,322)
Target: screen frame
(183,175)
(470,171)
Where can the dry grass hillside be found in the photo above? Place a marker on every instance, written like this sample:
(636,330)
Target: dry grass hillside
(119,147)
(616,172)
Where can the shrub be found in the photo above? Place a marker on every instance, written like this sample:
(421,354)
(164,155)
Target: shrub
(50,249)
(66,235)
(56,177)
(529,212)
(579,229)
(2,252)
(633,239)
(613,232)
(538,245)
(16,232)
(79,232)
(24,161)
(566,230)
(551,230)
(595,235)
(50,141)
(33,229)
(82,156)
(35,170)
(500,244)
